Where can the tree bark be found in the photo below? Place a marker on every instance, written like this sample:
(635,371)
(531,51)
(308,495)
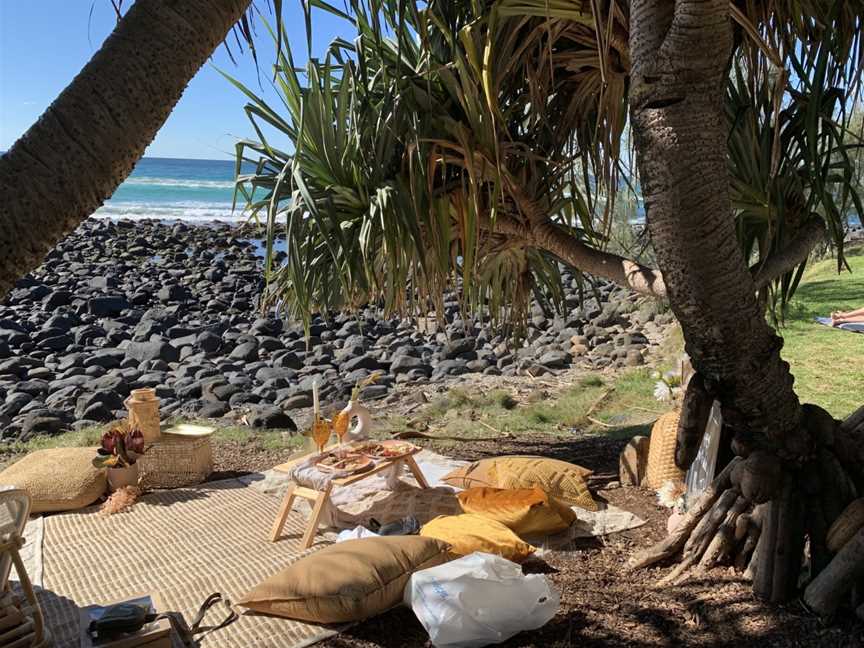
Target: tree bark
(680,57)
(90,138)
(826,592)
(680,52)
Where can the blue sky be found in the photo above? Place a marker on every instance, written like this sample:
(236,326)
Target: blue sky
(45,43)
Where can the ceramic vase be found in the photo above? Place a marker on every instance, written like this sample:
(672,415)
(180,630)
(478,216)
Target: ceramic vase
(120,477)
(363,426)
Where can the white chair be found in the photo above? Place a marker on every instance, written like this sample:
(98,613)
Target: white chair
(21,622)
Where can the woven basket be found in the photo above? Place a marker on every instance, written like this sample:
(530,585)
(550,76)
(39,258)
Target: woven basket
(661,452)
(175,461)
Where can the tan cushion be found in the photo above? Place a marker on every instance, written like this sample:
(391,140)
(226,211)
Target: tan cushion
(525,511)
(561,479)
(347,581)
(58,479)
(468,533)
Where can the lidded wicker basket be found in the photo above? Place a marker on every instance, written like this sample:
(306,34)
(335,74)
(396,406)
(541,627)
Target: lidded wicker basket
(183,456)
(661,452)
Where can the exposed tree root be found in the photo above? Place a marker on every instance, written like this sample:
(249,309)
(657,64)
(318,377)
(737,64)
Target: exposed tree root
(826,592)
(761,511)
(675,541)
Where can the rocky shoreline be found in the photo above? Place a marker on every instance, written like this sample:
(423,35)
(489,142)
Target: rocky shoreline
(120,305)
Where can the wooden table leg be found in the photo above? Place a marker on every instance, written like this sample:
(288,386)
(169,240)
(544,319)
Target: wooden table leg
(317,510)
(284,512)
(415,470)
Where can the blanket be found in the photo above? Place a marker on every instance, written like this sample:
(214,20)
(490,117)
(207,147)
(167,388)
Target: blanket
(854,327)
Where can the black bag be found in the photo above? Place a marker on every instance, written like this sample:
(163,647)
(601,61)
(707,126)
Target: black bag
(119,619)
(129,617)
(191,635)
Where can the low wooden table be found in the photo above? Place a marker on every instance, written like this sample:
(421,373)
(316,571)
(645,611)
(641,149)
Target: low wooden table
(320,497)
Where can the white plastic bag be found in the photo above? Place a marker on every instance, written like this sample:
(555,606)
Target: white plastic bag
(355,534)
(478,600)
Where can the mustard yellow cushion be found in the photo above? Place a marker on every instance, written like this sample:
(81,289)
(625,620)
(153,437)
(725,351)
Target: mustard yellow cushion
(564,480)
(58,479)
(525,511)
(468,533)
(347,581)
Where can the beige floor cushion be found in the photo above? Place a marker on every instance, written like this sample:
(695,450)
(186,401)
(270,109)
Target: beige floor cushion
(564,480)
(468,533)
(58,479)
(348,581)
(525,511)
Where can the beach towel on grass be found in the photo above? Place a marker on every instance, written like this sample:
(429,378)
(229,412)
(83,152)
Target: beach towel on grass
(854,327)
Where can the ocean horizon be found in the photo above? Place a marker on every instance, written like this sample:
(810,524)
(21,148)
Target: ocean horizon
(176,189)
(193,190)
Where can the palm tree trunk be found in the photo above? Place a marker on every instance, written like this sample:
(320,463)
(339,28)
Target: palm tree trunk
(679,71)
(88,141)
(680,53)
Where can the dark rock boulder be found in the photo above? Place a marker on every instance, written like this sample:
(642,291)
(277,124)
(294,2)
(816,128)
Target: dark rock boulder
(144,351)
(269,418)
(247,351)
(109,399)
(213,409)
(107,306)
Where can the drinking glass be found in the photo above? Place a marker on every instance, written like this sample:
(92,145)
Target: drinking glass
(321,433)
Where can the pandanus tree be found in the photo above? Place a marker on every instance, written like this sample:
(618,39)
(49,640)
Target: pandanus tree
(484,142)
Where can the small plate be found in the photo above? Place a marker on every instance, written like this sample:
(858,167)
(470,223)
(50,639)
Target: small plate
(361,464)
(399,449)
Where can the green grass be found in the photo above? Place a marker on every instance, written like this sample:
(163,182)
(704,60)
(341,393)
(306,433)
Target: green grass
(828,364)
(594,404)
(265,439)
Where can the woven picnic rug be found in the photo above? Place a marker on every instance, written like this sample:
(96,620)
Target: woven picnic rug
(181,544)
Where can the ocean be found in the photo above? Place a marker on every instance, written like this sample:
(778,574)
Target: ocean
(191,190)
(173,188)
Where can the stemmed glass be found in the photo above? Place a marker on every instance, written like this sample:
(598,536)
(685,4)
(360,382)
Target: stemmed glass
(320,426)
(340,426)
(320,432)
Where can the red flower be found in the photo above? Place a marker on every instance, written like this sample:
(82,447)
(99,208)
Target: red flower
(109,442)
(135,442)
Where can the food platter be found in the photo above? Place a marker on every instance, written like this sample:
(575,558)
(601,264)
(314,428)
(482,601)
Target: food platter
(389,449)
(344,463)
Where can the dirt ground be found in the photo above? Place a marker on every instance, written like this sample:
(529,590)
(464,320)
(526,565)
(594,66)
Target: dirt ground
(601,604)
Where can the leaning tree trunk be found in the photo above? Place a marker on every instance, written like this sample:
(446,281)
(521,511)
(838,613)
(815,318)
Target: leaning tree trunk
(680,52)
(87,142)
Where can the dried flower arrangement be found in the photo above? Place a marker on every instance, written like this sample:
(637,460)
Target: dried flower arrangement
(121,446)
(120,500)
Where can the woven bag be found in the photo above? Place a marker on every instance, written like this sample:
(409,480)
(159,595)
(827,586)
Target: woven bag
(661,452)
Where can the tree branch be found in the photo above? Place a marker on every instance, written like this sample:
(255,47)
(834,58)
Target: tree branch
(558,240)
(628,273)
(625,272)
(811,234)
